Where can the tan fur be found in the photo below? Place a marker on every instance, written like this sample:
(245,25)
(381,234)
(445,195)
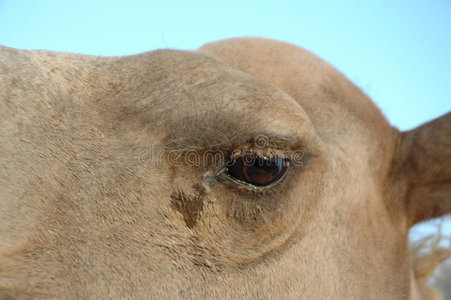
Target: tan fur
(428,254)
(95,204)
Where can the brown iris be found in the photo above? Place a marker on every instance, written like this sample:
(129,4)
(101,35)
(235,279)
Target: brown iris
(258,171)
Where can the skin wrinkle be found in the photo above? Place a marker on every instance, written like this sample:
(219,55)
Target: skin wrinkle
(92,205)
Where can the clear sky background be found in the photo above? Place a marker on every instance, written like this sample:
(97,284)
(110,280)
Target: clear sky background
(397,51)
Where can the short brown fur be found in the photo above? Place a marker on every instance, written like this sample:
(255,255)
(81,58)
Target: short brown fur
(98,200)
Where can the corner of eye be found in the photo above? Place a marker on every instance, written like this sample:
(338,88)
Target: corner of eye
(210,178)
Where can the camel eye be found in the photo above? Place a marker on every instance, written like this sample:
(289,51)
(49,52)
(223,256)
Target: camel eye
(260,172)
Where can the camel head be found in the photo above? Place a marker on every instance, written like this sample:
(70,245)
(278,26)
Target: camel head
(249,168)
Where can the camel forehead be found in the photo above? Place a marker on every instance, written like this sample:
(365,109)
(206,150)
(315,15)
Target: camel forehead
(208,81)
(197,91)
(329,98)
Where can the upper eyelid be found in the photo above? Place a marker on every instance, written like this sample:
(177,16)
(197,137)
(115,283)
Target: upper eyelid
(265,152)
(236,141)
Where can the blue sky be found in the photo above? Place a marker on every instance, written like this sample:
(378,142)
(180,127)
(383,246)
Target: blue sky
(398,52)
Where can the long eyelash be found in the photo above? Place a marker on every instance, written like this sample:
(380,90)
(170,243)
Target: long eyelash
(259,152)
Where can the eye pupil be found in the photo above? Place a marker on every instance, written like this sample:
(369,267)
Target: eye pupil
(258,171)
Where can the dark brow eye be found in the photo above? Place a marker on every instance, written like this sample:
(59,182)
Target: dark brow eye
(258,171)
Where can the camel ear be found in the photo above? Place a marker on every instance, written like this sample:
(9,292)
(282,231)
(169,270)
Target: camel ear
(424,165)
